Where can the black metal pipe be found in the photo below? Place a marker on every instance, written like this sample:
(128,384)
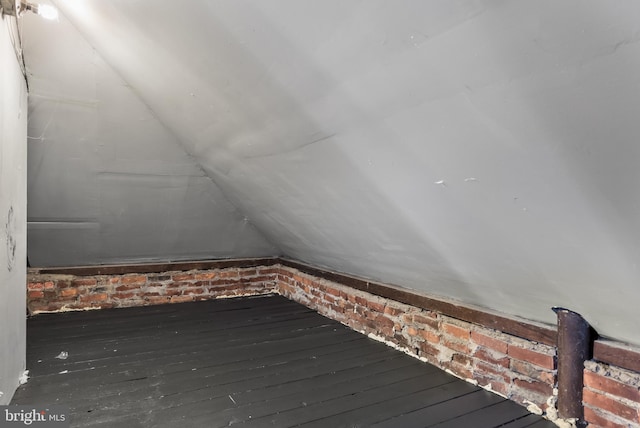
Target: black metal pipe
(574,339)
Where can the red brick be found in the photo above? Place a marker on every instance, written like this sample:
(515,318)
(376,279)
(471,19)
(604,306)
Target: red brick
(177,284)
(155,286)
(456,331)
(225,282)
(191,291)
(492,371)
(35,286)
(390,310)
(596,420)
(127,287)
(183,276)
(49,285)
(204,276)
(36,294)
(98,297)
(532,371)
(68,292)
(487,356)
(49,307)
(346,306)
(80,282)
(601,383)
(489,342)
(312,282)
(456,346)
(374,305)
(430,336)
(114,280)
(459,369)
(228,274)
(37,307)
(220,290)
(123,296)
(135,279)
(496,384)
(427,322)
(533,357)
(330,300)
(462,359)
(382,321)
(429,349)
(535,386)
(153,293)
(181,299)
(104,305)
(248,272)
(157,300)
(360,311)
(411,331)
(62,283)
(500,387)
(425,317)
(256,279)
(332,291)
(610,405)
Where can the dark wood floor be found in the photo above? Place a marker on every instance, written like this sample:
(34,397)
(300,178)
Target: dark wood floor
(258,362)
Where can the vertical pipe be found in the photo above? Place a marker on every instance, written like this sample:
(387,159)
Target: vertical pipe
(573,349)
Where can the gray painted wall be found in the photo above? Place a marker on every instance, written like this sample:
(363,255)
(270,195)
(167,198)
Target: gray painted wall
(481,150)
(109,182)
(13,215)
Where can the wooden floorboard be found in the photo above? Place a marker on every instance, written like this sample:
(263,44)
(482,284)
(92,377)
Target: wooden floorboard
(246,362)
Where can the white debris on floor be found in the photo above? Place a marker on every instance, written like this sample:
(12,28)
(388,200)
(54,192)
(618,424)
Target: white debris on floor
(62,355)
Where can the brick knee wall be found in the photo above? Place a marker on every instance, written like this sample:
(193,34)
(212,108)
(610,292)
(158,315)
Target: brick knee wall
(59,292)
(611,396)
(518,369)
(511,365)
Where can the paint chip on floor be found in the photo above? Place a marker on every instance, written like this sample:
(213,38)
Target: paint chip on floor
(24,377)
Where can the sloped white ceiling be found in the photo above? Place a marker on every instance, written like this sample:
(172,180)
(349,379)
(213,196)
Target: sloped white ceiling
(482,150)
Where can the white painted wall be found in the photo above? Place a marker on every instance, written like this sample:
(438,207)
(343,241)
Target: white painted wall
(13,214)
(481,150)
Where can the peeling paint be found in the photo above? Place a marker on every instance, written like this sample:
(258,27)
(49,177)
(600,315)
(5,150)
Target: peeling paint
(533,408)
(24,377)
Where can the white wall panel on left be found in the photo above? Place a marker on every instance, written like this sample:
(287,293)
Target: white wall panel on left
(13,217)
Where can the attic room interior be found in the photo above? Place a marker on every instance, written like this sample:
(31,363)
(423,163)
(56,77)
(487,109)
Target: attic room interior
(330,214)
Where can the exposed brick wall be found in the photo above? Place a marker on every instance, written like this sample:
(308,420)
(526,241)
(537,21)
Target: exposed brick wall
(55,292)
(611,396)
(521,370)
